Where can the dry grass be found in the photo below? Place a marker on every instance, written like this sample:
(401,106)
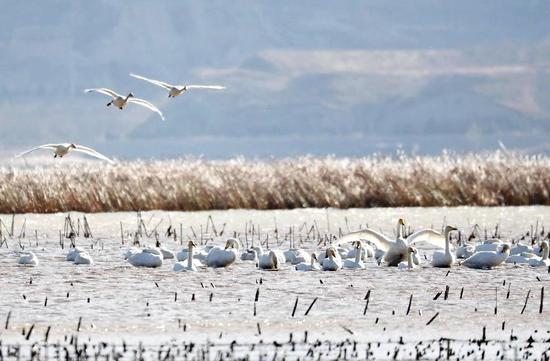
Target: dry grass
(193,184)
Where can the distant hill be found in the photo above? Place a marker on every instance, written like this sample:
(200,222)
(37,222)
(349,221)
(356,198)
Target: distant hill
(293,70)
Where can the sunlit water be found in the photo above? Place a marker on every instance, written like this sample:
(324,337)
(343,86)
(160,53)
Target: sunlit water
(118,301)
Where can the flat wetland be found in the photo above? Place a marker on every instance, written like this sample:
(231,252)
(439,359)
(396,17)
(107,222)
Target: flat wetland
(239,311)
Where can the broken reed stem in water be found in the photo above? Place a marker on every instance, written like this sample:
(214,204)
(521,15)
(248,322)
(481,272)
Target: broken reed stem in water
(525,304)
(310,306)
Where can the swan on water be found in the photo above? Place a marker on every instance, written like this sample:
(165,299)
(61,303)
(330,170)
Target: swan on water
(269,261)
(83,258)
(175,90)
(446,258)
(249,255)
(395,251)
(313,265)
(190,264)
(28,258)
(71,255)
(166,253)
(61,149)
(332,260)
(121,101)
(224,257)
(488,259)
(544,261)
(357,263)
(409,264)
(147,257)
(522,258)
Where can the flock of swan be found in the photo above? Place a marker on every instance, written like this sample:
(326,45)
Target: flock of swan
(350,251)
(120,101)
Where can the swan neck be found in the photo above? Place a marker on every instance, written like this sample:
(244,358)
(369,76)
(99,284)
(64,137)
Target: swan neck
(358,255)
(545,253)
(190,257)
(410,260)
(447,243)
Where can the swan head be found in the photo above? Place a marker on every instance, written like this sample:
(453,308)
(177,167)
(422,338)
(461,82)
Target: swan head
(411,250)
(357,244)
(330,252)
(400,222)
(232,243)
(450,229)
(505,248)
(191,244)
(314,257)
(72,145)
(544,245)
(131,95)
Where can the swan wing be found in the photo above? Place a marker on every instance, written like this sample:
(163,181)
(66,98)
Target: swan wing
(378,239)
(104,91)
(427,235)
(152,81)
(92,152)
(44,146)
(146,104)
(216,87)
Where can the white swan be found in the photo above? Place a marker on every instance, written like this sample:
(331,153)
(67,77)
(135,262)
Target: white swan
(521,248)
(269,261)
(466,249)
(71,255)
(120,101)
(445,259)
(166,253)
(491,245)
(312,266)
(357,263)
(488,259)
(332,261)
(28,258)
(522,258)
(224,257)
(61,149)
(249,255)
(175,90)
(366,252)
(395,251)
(409,264)
(83,258)
(147,257)
(191,263)
(295,256)
(544,261)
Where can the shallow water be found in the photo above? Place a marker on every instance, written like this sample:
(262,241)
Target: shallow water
(117,301)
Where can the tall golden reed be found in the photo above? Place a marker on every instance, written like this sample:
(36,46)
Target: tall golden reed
(194,184)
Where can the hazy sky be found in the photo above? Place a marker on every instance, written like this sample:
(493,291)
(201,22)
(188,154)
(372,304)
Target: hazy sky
(321,77)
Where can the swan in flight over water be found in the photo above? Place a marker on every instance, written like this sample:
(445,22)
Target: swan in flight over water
(395,251)
(445,259)
(175,90)
(120,101)
(60,150)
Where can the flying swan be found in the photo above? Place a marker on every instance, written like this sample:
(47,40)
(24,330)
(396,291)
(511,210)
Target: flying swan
(175,90)
(60,150)
(120,101)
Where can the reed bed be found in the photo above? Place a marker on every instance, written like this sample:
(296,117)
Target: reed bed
(491,179)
